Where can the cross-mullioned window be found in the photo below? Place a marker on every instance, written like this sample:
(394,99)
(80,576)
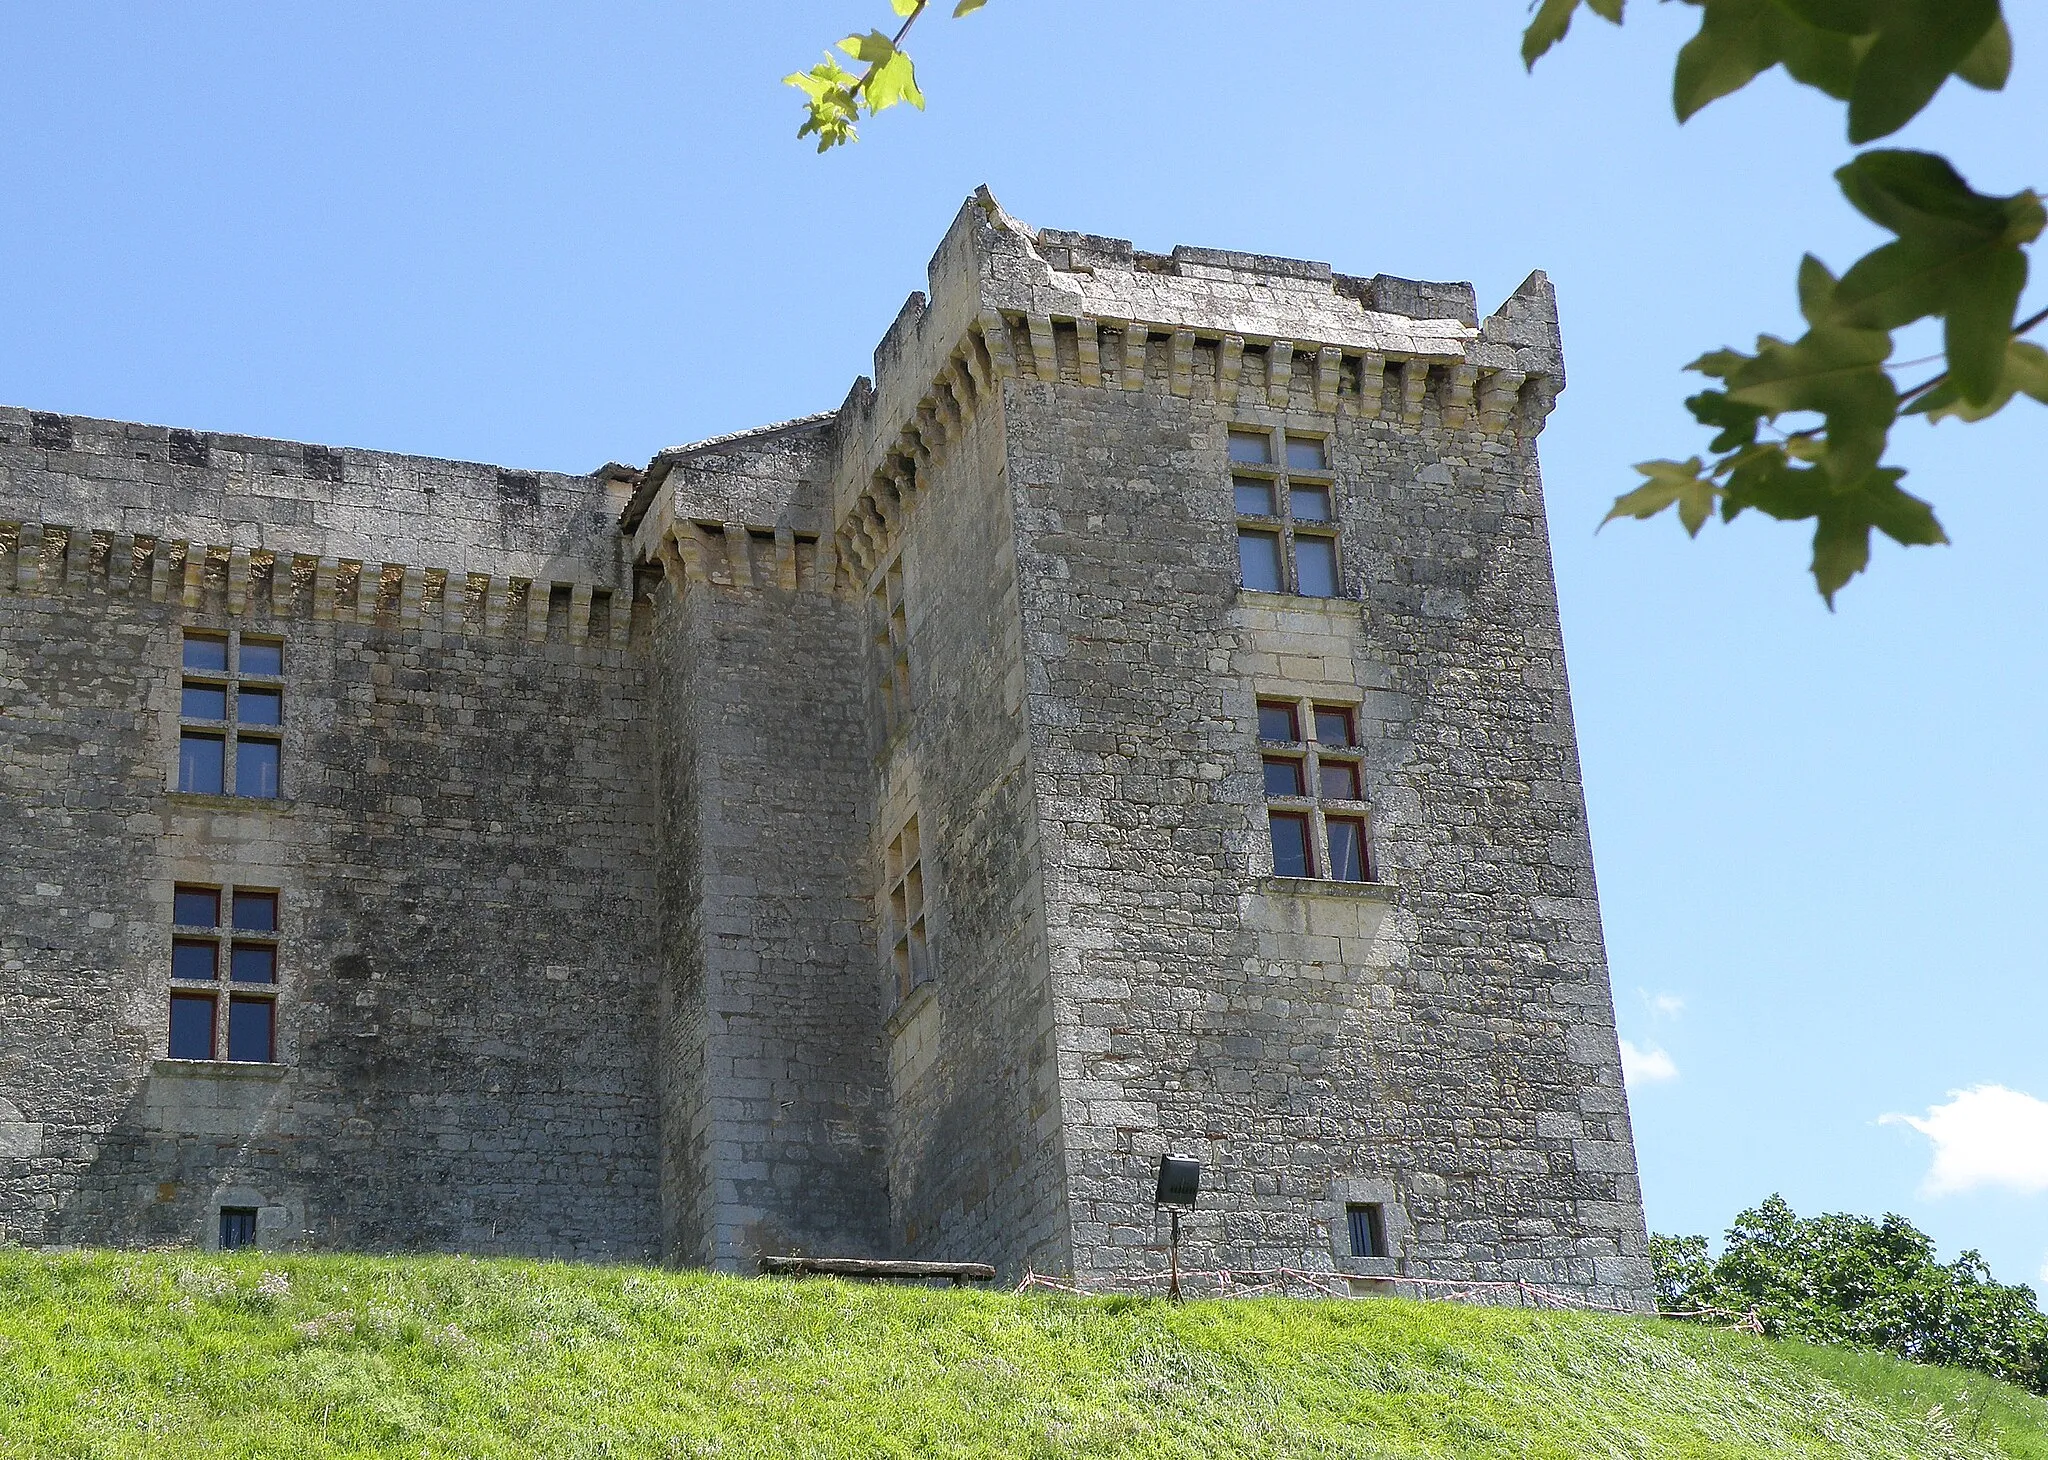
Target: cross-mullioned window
(204,947)
(1285,497)
(909,945)
(231,715)
(1314,769)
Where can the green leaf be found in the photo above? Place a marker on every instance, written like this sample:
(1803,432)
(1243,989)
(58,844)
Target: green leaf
(1841,534)
(1981,306)
(1669,482)
(1990,63)
(1554,17)
(1918,45)
(1720,364)
(2025,373)
(1740,39)
(893,81)
(1958,256)
(967,7)
(832,106)
(1834,370)
(1737,422)
(906,7)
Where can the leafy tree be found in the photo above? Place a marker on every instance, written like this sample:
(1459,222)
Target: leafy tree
(1848,1280)
(1801,425)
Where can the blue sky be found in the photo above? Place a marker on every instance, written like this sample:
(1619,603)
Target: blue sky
(549,236)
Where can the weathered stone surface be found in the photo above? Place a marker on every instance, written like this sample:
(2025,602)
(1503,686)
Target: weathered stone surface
(593,784)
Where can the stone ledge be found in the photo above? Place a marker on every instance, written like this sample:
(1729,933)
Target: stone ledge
(1328,887)
(228,803)
(908,1006)
(218,1069)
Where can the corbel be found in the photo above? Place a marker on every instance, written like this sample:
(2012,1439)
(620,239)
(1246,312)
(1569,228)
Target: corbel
(579,613)
(325,571)
(974,362)
(159,560)
(1088,344)
(238,581)
(1181,375)
(1329,360)
(1137,342)
(1458,395)
(28,557)
(816,564)
(1044,359)
(99,555)
(120,562)
(497,607)
(1500,391)
(958,384)
(930,427)
(1414,386)
(411,590)
(77,560)
(538,592)
(739,556)
(1372,384)
(1229,366)
(995,338)
(1279,372)
(785,558)
(473,614)
(195,577)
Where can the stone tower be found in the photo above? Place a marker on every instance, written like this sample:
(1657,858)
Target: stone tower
(1136,720)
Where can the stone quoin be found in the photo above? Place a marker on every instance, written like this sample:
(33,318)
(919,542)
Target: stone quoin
(1134,721)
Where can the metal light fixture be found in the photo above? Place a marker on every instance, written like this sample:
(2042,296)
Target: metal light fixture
(1180,1181)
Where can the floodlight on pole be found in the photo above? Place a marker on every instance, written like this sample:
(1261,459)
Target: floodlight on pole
(1180,1181)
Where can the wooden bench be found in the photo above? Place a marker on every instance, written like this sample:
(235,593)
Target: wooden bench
(877,1269)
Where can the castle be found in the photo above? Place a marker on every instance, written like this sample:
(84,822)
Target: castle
(1134,721)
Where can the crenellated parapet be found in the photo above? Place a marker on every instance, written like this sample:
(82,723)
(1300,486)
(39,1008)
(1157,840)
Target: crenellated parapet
(195,579)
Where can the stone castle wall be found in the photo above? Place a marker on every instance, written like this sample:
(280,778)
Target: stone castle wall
(595,789)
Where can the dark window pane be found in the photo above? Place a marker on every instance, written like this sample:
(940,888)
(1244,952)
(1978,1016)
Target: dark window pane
(1290,844)
(1254,497)
(204,702)
(256,911)
(256,768)
(252,963)
(194,958)
(1277,722)
(1283,777)
(261,658)
(1305,454)
(1309,504)
(206,651)
(196,907)
(1254,447)
(200,762)
(1368,1229)
(1347,849)
(1338,780)
(1333,725)
(1315,566)
(250,1024)
(237,1228)
(191,1026)
(1258,560)
(259,706)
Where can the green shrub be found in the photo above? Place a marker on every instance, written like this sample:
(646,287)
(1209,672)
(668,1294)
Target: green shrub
(1841,1279)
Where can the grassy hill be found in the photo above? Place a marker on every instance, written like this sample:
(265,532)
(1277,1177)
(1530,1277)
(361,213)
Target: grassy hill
(172,1355)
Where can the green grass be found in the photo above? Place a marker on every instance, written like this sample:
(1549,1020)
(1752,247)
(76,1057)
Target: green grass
(167,1355)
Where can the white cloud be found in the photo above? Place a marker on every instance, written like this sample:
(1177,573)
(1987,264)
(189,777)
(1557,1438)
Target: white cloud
(1986,1135)
(1662,1004)
(1646,1066)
